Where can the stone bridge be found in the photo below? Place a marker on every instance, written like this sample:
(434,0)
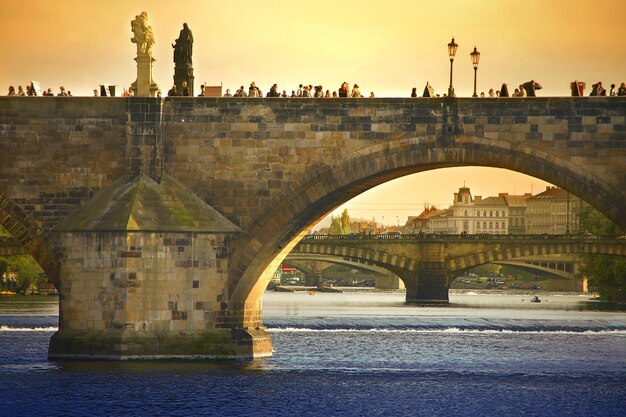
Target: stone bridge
(427,264)
(558,266)
(248,178)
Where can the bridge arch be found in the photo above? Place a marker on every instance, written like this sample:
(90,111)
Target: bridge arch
(32,238)
(428,264)
(537,268)
(287,218)
(495,253)
(337,260)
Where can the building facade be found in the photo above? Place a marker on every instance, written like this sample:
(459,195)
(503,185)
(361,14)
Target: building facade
(517,212)
(472,215)
(554,211)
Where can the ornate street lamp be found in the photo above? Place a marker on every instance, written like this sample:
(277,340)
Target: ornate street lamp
(451,52)
(475,55)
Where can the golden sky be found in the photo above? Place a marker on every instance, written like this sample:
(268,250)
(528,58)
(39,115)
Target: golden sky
(386,47)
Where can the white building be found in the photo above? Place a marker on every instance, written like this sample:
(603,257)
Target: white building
(473,215)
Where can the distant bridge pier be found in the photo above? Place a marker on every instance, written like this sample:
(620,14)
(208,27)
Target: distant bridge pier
(313,278)
(425,286)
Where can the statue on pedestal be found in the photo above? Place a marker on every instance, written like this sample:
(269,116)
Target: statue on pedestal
(183,63)
(144,38)
(183,46)
(144,86)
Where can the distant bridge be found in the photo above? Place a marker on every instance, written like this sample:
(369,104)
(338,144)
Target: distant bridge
(429,263)
(313,266)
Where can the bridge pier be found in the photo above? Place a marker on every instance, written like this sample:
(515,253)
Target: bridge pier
(313,278)
(150,280)
(425,286)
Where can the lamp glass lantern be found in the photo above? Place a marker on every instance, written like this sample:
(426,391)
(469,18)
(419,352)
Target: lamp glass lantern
(475,55)
(452,46)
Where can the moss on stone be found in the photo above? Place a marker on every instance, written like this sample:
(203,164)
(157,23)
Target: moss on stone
(145,205)
(131,344)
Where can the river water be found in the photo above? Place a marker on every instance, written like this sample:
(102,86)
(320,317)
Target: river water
(350,354)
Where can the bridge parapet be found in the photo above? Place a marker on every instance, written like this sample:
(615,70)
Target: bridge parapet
(439,237)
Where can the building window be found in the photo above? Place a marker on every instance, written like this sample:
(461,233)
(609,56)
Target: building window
(478,225)
(503,213)
(490,213)
(465,213)
(503,226)
(466,225)
(484,225)
(478,213)
(491,225)
(497,225)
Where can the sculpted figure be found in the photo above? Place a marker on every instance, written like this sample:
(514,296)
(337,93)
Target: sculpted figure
(183,46)
(144,38)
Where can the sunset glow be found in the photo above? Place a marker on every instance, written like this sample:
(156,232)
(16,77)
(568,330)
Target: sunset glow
(386,47)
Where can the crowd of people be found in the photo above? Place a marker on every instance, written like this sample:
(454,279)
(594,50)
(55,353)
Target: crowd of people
(32,90)
(527,89)
(302,91)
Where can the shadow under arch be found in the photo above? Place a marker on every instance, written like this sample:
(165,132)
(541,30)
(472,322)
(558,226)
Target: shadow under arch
(291,214)
(33,239)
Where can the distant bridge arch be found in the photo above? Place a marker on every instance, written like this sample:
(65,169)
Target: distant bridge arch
(429,264)
(28,237)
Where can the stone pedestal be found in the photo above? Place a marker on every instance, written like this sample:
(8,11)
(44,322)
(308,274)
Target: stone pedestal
(144,86)
(183,73)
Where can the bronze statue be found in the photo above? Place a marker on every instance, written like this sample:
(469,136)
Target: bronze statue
(183,48)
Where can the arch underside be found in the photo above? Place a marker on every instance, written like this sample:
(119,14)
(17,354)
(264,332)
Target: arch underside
(510,252)
(365,264)
(31,237)
(556,273)
(325,187)
(337,260)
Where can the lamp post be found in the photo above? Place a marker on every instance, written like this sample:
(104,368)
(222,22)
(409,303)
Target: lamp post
(451,52)
(475,55)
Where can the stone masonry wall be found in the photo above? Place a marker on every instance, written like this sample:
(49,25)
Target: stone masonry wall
(55,152)
(241,154)
(142,281)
